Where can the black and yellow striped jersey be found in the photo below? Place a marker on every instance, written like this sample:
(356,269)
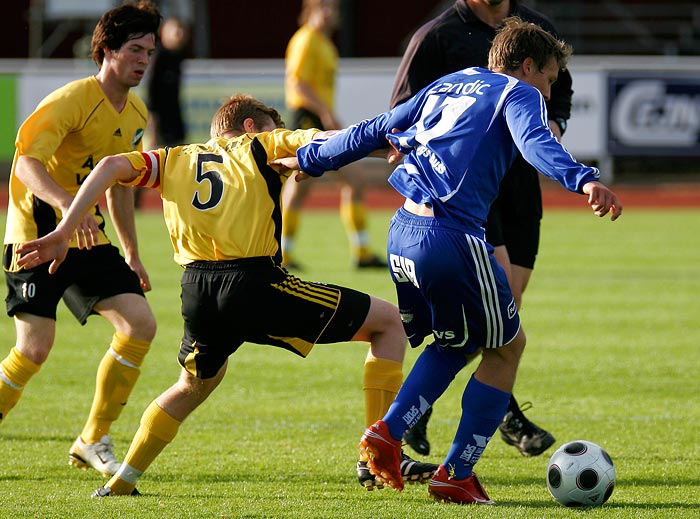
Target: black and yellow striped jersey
(221,199)
(70,131)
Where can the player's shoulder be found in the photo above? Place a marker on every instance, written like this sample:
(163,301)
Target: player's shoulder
(78,89)
(303,36)
(71,102)
(138,105)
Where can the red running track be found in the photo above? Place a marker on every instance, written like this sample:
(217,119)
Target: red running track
(326,196)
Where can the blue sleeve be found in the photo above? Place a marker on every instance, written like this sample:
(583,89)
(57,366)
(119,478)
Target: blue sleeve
(529,128)
(355,142)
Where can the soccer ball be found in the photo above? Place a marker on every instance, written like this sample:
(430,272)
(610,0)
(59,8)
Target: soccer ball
(580,473)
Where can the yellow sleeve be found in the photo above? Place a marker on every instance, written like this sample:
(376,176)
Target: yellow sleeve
(44,130)
(285,143)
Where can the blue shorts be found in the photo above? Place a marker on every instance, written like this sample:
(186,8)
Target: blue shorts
(449,284)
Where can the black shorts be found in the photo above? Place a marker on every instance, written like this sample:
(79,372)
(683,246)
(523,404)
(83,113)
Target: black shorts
(83,279)
(227,303)
(515,215)
(304,119)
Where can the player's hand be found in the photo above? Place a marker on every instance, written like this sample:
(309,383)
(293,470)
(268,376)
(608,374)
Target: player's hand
(53,247)
(288,163)
(87,232)
(602,200)
(138,268)
(394,155)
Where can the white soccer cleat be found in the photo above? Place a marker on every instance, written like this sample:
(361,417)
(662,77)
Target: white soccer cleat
(98,456)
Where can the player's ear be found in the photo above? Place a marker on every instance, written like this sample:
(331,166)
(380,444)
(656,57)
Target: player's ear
(249,125)
(528,66)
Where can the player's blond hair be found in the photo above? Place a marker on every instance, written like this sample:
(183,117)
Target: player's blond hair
(518,40)
(238,108)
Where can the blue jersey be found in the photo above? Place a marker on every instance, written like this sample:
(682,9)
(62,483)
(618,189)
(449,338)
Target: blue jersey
(460,135)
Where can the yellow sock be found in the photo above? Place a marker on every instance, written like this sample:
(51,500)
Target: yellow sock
(290,224)
(381,382)
(116,377)
(15,372)
(156,431)
(354,218)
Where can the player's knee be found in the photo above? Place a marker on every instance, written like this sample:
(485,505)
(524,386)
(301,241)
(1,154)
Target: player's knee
(142,324)
(513,350)
(384,317)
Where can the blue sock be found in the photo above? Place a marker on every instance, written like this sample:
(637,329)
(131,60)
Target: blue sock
(430,376)
(483,408)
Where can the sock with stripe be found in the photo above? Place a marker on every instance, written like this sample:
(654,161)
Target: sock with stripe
(483,407)
(116,377)
(290,224)
(15,372)
(354,218)
(431,375)
(156,431)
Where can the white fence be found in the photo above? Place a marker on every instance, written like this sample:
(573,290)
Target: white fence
(623,105)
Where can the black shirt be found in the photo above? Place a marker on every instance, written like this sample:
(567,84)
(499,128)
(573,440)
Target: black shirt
(457,39)
(164,96)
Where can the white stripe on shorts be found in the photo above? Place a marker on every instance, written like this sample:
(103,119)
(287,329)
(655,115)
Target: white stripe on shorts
(489,292)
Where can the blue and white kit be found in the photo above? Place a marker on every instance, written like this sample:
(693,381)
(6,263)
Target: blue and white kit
(460,135)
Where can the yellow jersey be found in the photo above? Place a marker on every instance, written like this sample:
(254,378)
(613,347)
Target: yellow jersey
(70,131)
(221,199)
(311,57)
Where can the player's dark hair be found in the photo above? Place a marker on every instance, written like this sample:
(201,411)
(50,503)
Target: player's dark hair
(124,23)
(239,107)
(518,40)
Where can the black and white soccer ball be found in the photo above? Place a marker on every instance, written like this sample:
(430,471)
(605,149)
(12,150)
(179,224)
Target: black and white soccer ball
(580,473)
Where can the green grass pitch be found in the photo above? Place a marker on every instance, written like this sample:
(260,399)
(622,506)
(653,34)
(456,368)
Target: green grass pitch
(613,331)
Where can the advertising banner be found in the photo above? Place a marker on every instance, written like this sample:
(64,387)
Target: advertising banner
(654,113)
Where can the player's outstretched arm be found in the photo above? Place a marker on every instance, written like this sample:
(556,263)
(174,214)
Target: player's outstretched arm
(54,246)
(602,200)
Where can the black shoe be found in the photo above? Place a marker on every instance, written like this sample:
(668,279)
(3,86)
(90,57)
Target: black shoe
(417,436)
(412,471)
(369,262)
(366,478)
(107,492)
(524,435)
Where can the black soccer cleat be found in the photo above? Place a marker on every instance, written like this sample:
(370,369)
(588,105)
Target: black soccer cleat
(417,436)
(412,471)
(104,491)
(524,435)
(370,262)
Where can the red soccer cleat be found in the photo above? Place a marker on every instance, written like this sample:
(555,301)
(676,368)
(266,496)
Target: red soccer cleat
(383,454)
(461,491)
